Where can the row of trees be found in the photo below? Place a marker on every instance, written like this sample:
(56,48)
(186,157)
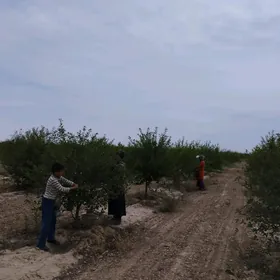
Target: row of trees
(262,173)
(89,159)
(262,182)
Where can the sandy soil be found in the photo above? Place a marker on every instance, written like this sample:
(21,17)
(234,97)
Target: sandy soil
(30,263)
(193,244)
(197,242)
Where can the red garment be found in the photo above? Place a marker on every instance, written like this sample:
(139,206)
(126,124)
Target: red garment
(201,170)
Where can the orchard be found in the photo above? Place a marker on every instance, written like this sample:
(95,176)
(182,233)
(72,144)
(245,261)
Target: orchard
(89,158)
(151,156)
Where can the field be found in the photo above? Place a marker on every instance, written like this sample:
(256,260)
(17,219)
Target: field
(171,230)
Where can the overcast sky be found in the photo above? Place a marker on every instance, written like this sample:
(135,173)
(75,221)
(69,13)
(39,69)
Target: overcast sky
(206,70)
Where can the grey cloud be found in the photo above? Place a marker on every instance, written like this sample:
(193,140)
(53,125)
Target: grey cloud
(206,70)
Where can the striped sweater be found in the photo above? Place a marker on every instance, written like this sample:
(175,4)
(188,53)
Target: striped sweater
(54,187)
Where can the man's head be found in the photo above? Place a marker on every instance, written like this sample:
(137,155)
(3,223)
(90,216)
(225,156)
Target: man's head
(58,169)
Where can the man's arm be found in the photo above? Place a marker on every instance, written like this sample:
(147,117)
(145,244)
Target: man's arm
(58,186)
(67,182)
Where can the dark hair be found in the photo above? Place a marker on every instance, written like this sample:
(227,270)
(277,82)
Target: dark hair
(57,167)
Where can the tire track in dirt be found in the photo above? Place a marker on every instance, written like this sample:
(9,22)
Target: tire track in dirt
(220,258)
(223,230)
(164,247)
(191,245)
(190,259)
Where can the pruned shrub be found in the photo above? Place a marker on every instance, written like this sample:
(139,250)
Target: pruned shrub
(168,205)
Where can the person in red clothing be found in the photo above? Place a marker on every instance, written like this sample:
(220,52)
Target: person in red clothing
(200,173)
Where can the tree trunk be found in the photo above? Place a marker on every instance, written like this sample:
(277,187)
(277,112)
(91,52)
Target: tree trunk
(146,189)
(77,212)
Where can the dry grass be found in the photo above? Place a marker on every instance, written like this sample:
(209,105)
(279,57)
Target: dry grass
(257,259)
(189,186)
(160,201)
(15,215)
(5,182)
(168,205)
(95,240)
(20,223)
(136,194)
(20,226)
(99,242)
(2,170)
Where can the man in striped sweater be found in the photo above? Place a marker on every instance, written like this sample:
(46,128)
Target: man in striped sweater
(53,188)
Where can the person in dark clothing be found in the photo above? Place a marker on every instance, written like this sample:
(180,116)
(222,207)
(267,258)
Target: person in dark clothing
(116,201)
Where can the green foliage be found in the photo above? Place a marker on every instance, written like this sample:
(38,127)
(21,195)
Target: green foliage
(182,159)
(230,157)
(179,160)
(263,185)
(21,156)
(149,155)
(91,161)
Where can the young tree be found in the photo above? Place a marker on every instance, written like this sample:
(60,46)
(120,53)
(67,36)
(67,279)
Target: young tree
(181,159)
(148,155)
(88,160)
(28,157)
(22,156)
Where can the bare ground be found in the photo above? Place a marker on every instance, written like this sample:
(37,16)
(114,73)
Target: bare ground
(23,261)
(196,243)
(200,241)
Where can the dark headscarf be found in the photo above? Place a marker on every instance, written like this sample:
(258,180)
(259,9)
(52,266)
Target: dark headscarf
(121,154)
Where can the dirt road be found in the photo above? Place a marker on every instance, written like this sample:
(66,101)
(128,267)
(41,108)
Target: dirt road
(192,244)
